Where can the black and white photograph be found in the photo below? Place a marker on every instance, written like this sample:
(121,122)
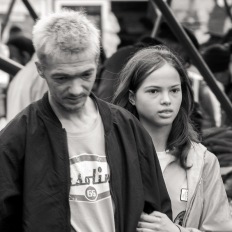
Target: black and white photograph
(115,115)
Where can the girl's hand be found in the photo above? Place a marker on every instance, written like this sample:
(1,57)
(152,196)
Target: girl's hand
(156,221)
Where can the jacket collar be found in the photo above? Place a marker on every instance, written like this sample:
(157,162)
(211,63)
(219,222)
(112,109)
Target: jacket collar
(195,160)
(103,107)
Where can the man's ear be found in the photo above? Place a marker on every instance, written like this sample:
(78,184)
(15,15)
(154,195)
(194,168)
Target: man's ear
(39,69)
(131,97)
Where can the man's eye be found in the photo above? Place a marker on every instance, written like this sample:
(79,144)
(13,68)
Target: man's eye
(86,76)
(61,78)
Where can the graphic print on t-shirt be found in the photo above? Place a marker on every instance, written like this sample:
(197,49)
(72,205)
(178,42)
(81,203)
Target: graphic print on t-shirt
(89,178)
(91,204)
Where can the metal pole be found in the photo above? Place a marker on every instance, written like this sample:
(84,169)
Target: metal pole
(156,24)
(158,19)
(194,54)
(9,66)
(30,9)
(6,19)
(228,9)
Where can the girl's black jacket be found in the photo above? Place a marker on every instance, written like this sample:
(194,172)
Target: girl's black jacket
(35,174)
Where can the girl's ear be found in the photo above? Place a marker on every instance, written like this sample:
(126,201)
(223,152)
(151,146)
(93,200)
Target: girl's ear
(131,97)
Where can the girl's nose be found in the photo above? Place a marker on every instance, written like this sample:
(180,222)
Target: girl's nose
(165,99)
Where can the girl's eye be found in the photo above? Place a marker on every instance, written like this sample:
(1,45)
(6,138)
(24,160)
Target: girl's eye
(175,90)
(152,91)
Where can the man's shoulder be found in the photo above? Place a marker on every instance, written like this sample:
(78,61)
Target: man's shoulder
(17,127)
(119,113)
(124,120)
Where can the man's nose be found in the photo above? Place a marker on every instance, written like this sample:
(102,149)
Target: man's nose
(75,87)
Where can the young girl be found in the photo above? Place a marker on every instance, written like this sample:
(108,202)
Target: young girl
(156,89)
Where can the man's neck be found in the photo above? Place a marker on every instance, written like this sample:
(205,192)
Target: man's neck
(78,121)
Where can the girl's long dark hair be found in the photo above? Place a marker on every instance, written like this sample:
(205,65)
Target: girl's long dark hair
(137,69)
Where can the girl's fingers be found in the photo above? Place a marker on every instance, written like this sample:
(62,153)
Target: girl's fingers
(147,225)
(144,230)
(157,214)
(150,218)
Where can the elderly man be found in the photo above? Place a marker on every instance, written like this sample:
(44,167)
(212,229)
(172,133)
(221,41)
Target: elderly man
(71,162)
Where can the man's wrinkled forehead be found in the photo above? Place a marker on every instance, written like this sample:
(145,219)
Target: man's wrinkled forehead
(68,57)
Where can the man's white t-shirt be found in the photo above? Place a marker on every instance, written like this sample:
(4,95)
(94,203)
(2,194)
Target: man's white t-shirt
(90,199)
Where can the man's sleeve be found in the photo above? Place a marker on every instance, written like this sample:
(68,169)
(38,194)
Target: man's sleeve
(10,191)
(155,191)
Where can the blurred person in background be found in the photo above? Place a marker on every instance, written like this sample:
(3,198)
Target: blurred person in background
(108,75)
(217,57)
(21,47)
(26,87)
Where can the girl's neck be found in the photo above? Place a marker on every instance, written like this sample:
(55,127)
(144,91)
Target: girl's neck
(159,136)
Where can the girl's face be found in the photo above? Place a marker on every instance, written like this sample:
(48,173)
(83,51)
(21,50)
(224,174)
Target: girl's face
(159,97)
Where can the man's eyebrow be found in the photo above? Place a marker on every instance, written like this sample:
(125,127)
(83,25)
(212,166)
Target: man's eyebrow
(89,70)
(57,73)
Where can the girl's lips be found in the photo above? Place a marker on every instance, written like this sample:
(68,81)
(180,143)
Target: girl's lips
(165,113)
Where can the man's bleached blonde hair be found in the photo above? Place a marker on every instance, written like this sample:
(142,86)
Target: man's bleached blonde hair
(69,32)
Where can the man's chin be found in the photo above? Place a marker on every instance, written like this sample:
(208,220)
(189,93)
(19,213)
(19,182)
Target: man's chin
(73,109)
